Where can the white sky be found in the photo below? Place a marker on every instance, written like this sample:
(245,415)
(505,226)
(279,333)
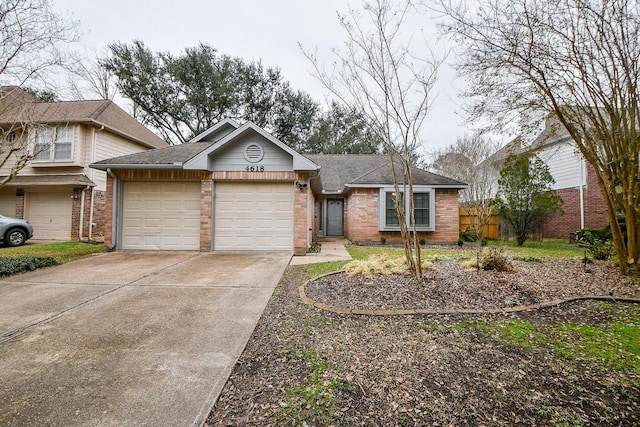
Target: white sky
(253,30)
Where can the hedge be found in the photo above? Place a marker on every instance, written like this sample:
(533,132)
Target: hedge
(20,264)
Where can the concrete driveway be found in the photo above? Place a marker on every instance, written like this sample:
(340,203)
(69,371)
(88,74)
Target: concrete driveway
(128,338)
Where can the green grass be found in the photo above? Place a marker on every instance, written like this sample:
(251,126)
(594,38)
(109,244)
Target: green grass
(545,249)
(62,251)
(615,346)
(316,399)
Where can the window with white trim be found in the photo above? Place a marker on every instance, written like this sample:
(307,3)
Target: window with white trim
(423,209)
(53,143)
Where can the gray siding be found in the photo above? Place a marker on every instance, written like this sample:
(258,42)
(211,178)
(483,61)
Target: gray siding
(232,158)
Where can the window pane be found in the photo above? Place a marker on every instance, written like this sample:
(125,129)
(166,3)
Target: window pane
(62,150)
(421,211)
(44,138)
(391,217)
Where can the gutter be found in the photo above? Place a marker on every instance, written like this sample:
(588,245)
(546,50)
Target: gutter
(113,210)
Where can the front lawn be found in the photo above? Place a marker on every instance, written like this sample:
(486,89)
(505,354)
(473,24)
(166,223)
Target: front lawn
(569,365)
(61,251)
(33,256)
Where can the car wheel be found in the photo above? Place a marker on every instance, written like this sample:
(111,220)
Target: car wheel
(15,237)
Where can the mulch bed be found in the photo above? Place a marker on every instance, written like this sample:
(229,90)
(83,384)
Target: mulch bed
(306,366)
(451,286)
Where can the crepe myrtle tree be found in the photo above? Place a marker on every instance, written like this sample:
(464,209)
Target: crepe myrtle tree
(379,75)
(525,198)
(575,62)
(32,48)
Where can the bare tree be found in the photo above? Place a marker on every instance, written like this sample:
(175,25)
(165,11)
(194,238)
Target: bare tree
(469,160)
(379,76)
(576,62)
(92,77)
(33,40)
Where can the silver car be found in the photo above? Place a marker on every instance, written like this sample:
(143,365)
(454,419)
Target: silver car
(13,231)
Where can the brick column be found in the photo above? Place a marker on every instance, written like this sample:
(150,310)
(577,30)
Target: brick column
(206,212)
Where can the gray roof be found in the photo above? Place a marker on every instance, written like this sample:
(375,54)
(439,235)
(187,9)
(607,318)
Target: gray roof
(338,171)
(158,158)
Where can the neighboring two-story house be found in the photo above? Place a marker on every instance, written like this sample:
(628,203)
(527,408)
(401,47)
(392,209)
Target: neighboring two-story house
(57,192)
(575,181)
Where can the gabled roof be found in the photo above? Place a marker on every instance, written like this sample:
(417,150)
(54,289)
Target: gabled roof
(217,131)
(18,106)
(339,172)
(299,162)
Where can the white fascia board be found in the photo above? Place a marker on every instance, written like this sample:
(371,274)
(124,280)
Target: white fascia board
(214,128)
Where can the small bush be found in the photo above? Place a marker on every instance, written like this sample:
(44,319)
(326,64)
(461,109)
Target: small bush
(381,264)
(490,259)
(20,264)
(422,241)
(601,249)
(460,242)
(469,235)
(597,243)
(383,240)
(495,259)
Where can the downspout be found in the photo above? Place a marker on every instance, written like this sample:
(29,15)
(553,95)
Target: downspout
(582,193)
(113,210)
(91,216)
(81,216)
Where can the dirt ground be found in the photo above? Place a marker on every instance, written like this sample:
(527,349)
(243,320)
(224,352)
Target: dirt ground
(306,366)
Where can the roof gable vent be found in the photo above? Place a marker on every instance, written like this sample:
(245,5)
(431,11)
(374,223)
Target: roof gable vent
(253,152)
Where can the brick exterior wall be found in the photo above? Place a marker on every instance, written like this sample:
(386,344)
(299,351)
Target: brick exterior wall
(99,215)
(595,213)
(206,198)
(361,218)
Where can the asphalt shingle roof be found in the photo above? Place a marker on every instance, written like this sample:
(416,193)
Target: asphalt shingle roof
(340,170)
(176,154)
(17,106)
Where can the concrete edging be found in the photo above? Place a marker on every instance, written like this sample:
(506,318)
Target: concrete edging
(404,312)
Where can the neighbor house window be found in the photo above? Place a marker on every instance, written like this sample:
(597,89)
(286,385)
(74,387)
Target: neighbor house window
(423,209)
(53,143)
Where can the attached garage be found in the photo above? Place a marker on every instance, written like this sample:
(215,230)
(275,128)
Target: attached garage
(254,216)
(50,215)
(161,216)
(8,203)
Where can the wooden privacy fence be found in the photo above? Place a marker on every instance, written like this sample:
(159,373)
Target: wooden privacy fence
(491,229)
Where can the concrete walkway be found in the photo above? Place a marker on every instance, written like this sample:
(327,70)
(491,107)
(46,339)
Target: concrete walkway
(128,338)
(331,250)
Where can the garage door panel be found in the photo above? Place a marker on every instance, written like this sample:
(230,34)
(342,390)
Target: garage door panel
(254,216)
(50,215)
(161,215)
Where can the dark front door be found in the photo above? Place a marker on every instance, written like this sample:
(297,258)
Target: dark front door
(335,217)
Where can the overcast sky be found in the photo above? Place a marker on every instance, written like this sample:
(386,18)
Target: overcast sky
(253,30)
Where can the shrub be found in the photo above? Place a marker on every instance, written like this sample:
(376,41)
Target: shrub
(422,241)
(460,242)
(383,240)
(20,264)
(490,259)
(469,235)
(597,243)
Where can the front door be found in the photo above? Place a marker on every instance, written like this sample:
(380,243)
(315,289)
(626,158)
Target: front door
(335,217)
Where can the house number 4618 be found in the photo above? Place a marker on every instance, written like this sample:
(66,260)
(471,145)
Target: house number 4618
(254,168)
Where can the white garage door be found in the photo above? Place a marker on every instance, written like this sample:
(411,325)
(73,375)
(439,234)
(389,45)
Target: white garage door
(161,215)
(50,215)
(253,216)
(8,203)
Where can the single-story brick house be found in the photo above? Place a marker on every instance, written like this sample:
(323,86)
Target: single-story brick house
(236,187)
